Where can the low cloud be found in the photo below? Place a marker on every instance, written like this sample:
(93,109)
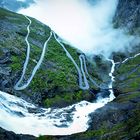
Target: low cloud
(85,26)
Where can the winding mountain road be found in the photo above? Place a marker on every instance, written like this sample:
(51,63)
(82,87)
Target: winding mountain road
(83,72)
(86,86)
(17,87)
(83,82)
(138,54)
(85,67)
(27,56)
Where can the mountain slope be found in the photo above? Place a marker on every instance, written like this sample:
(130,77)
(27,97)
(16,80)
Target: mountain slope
(56,81)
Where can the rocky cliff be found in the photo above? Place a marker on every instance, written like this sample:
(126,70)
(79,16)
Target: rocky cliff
(128,15)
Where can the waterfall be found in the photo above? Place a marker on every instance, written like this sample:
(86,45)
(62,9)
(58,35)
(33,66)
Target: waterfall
(17,116)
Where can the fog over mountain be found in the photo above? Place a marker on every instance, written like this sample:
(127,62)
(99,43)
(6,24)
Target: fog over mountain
(87,25)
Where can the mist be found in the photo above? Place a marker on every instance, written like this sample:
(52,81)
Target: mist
(84,25)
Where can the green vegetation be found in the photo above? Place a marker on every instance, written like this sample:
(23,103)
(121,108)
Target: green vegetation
(1,52)
(128,97)
(39,31)
(57,77)
(16,65)
(4,13)
(127,75)
(53,73)
(66,98)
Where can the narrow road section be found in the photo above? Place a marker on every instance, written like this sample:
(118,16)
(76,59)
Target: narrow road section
(17,87)
(86,86)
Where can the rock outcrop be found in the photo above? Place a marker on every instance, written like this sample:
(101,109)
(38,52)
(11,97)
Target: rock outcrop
(8,135)
(128,15)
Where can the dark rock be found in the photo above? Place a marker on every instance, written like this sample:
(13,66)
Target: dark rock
(5,70)
(128,15)
(103,94)
(8,135)
(5,60)
(4,83)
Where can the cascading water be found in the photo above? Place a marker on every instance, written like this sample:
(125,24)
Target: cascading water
(16,116)
(110,86)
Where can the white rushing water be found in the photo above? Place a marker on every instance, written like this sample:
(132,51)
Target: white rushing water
(110,86)
(15,116)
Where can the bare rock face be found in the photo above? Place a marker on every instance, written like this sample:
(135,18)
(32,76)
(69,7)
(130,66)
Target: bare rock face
(8,135)
(128,15)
